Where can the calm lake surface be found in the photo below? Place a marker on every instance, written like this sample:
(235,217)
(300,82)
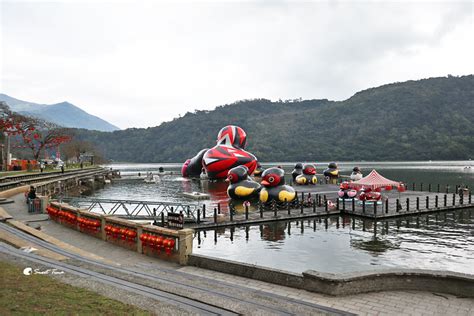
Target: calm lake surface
(339,244)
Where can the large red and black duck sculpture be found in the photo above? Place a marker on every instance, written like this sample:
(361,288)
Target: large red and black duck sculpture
(240,185)
(274,187)
(308,176)
(227,154)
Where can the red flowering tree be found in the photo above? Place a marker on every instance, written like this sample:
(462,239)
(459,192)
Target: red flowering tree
(36,134)
(44,135)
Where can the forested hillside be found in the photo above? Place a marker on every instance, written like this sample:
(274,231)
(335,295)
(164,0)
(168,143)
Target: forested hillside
(415,120)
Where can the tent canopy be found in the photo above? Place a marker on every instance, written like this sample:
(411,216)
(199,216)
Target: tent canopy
(374,180)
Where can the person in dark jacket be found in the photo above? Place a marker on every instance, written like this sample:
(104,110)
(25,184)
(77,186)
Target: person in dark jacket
(32,193)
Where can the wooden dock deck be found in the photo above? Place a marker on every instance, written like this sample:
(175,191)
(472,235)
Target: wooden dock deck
(393,205)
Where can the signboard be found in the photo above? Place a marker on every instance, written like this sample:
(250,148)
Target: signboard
(176,220)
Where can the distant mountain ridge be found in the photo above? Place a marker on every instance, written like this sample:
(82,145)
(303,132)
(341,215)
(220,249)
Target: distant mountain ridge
(64,114)
(427,119)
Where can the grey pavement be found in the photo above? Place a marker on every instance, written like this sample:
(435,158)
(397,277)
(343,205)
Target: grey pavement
(376,303)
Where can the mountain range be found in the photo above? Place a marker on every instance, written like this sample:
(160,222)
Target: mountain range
(429,119)
(64,114)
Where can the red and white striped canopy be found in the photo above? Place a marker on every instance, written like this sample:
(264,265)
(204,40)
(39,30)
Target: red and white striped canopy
(374,180)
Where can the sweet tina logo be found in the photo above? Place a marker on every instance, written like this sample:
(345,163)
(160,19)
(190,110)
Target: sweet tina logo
(30,271)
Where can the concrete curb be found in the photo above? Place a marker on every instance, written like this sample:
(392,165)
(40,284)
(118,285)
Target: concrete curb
(458,284)
(20,243)
(11,192)
(4,215)
(54,241)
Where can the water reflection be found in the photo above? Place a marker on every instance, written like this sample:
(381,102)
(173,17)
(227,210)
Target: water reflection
(339,244)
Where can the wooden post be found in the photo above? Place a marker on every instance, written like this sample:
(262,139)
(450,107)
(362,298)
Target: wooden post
(288,205)
(353,205)
(436,201)
(375,208)
(314,205)
(302,206)
(386,206)
(428,202)
(454,199)
(204,211)
(417,203)
(215,215)
(363,207)
(343,204)
(326,205)
(218,208)
(199,215)
(231,214)
(470,197)
(397,204)
(445,200)
(337,204)
(246,212)
(408,204)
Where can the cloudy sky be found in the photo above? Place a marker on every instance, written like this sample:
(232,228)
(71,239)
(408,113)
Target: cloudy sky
(138,63)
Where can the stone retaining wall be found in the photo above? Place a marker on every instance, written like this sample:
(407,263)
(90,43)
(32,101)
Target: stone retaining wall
(172,245)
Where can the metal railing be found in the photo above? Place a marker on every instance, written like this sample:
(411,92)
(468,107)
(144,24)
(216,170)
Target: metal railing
(135,209)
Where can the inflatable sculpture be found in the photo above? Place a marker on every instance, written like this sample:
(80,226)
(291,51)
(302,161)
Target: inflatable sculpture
(258,170)
(366,194)
(346,192)
(332,173)
(227,154)
(240,185)
(274,188)
(297,171)
(356,174)
(308,176)
(193,167)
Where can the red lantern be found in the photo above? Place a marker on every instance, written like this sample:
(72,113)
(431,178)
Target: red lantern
(115,232)
(401,188)
(159,243)
(168,243)
(144,238)
(123,233)
(344,185)
(388,188)
(131,234)
(152,241)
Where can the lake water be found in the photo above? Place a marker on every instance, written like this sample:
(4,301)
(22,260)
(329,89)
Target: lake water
(338,244)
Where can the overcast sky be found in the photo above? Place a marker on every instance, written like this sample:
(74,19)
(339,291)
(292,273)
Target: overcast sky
(137,64)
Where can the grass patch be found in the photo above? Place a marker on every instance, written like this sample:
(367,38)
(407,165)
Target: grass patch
(39,294)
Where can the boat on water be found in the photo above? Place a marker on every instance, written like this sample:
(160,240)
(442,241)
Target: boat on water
(150,178)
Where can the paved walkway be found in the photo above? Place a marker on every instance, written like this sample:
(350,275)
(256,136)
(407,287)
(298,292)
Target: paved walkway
(379,303)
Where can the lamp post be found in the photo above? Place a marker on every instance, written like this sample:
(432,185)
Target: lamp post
(6,151)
